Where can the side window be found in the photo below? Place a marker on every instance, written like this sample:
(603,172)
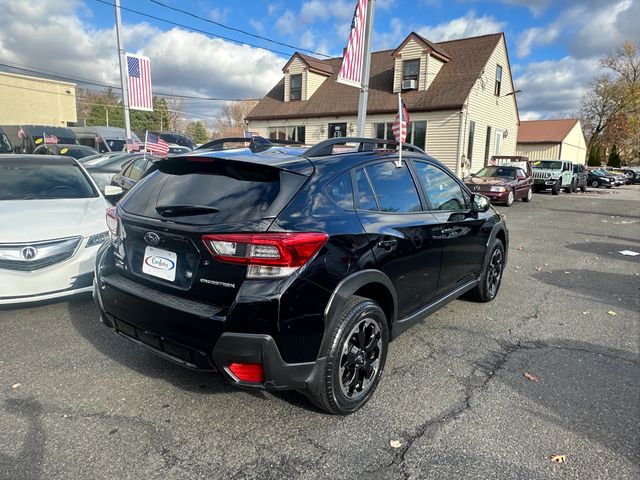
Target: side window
(137,169)
(365,199)
(520,173)
(394,188)
(341,191)
(442,191)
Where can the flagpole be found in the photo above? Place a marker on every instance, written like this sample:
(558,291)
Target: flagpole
(399,164)
(366,70)
(123,76)
(146,134)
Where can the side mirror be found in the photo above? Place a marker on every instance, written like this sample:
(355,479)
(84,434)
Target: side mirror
(112,191)
(521,177)
(479,203)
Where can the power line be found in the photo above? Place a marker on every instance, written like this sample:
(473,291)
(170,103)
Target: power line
(113,86)
(171,22)
(239,30)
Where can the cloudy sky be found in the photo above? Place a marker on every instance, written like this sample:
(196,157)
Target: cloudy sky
(554,46)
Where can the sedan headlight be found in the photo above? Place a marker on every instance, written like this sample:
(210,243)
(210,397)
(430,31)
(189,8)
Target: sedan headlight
(498,189)
(97,239)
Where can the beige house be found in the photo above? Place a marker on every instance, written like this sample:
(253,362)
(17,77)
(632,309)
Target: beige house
(36,101)
(459,95)
(552,140)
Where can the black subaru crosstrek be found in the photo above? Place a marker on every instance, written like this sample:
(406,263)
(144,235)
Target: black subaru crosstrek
(294,269)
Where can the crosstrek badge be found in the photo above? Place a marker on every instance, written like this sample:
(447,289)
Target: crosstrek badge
(160,263)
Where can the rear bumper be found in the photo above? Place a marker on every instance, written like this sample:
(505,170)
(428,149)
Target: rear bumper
(192,334)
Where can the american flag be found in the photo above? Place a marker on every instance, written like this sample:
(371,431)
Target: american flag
(351,70)
(400,124)
(132,145)
(154,144)
(50,139)
(20,133)
(139,82)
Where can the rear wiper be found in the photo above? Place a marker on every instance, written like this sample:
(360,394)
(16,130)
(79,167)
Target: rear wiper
(182,210)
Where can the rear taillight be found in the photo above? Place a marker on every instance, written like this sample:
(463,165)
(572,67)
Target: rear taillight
(247,372)
(268,255)
(112,222)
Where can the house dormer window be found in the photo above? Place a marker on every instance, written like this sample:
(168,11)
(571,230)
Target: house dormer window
(411,69)
(496,91)
(295,87)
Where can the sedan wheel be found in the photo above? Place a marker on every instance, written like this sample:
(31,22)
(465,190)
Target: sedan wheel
(527,198)
(510,198)
(595,184)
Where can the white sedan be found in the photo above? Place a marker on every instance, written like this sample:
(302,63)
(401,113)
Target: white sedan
(53,222)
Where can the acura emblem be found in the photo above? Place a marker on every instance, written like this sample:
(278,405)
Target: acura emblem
(152,238)
(29,253)
(476,188)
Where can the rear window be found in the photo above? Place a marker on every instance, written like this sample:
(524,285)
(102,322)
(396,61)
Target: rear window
(238,191)
(29,181)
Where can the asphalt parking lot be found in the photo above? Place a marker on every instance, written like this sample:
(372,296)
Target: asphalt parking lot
(77,401)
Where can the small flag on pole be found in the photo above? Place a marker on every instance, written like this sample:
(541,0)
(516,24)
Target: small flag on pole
(400,123)
(154,144)
(351,71)
(139,82)
(132,145)
(20,133)
(50,139)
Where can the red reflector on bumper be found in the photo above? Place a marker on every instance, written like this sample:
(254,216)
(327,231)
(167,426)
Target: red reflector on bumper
(247,372)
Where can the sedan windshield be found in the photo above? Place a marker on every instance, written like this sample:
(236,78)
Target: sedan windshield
(500,172)
(548,164)
(36,181)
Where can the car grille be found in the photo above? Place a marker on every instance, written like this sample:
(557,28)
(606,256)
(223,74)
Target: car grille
(541,175)
(27,257)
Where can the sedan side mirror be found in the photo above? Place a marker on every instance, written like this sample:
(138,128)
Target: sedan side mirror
(112,191)
(479,203)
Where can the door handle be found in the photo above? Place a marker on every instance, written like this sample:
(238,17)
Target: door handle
(388,244)
(447,231)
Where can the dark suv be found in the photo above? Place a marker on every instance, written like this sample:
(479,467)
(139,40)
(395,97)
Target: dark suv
(286,271)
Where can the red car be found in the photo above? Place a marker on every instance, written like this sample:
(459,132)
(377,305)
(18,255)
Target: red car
(502,183)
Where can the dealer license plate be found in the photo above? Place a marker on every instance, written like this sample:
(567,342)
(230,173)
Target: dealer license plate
(160,263)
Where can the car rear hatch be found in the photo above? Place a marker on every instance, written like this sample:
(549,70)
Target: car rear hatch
(164,218)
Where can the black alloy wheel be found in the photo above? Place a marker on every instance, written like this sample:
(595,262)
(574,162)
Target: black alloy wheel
(356,353)
(491,277)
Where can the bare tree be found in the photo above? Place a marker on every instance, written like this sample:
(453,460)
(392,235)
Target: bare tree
(229,122)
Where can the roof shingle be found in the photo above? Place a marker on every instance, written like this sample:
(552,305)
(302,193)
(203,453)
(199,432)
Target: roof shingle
(545,131)
(449,89)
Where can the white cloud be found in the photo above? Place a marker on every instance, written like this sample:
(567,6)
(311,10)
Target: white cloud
(537,7)
(218,14)
(257,25)
(539,36)
(182,62)
(391,38)
(554,87)
(286,22)
(468,26)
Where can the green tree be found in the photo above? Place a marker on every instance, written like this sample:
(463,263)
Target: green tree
(614,158)
(594,156)
(197,131)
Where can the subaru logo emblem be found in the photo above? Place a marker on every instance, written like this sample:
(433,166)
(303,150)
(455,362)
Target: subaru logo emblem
(476,188)
(152,238)
(29,253)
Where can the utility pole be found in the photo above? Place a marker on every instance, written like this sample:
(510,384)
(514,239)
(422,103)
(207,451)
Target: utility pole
(123,74)
(366,70)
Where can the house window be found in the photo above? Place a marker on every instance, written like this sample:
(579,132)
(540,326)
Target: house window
(410,69)
(487,145)
(295,87)
(416,132)
(295,133)
(472,132)
(496,91)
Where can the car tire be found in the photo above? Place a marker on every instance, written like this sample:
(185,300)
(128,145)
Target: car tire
(583,188)
(570,189)
(344,384)
(491,276)
(527,198)
(510,198)
(555,190)
(595,184)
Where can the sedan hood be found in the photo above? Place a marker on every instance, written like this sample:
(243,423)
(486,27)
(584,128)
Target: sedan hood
(486,181)
(36,220)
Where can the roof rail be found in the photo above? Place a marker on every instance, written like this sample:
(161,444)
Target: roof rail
(256,144)
(325,147)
